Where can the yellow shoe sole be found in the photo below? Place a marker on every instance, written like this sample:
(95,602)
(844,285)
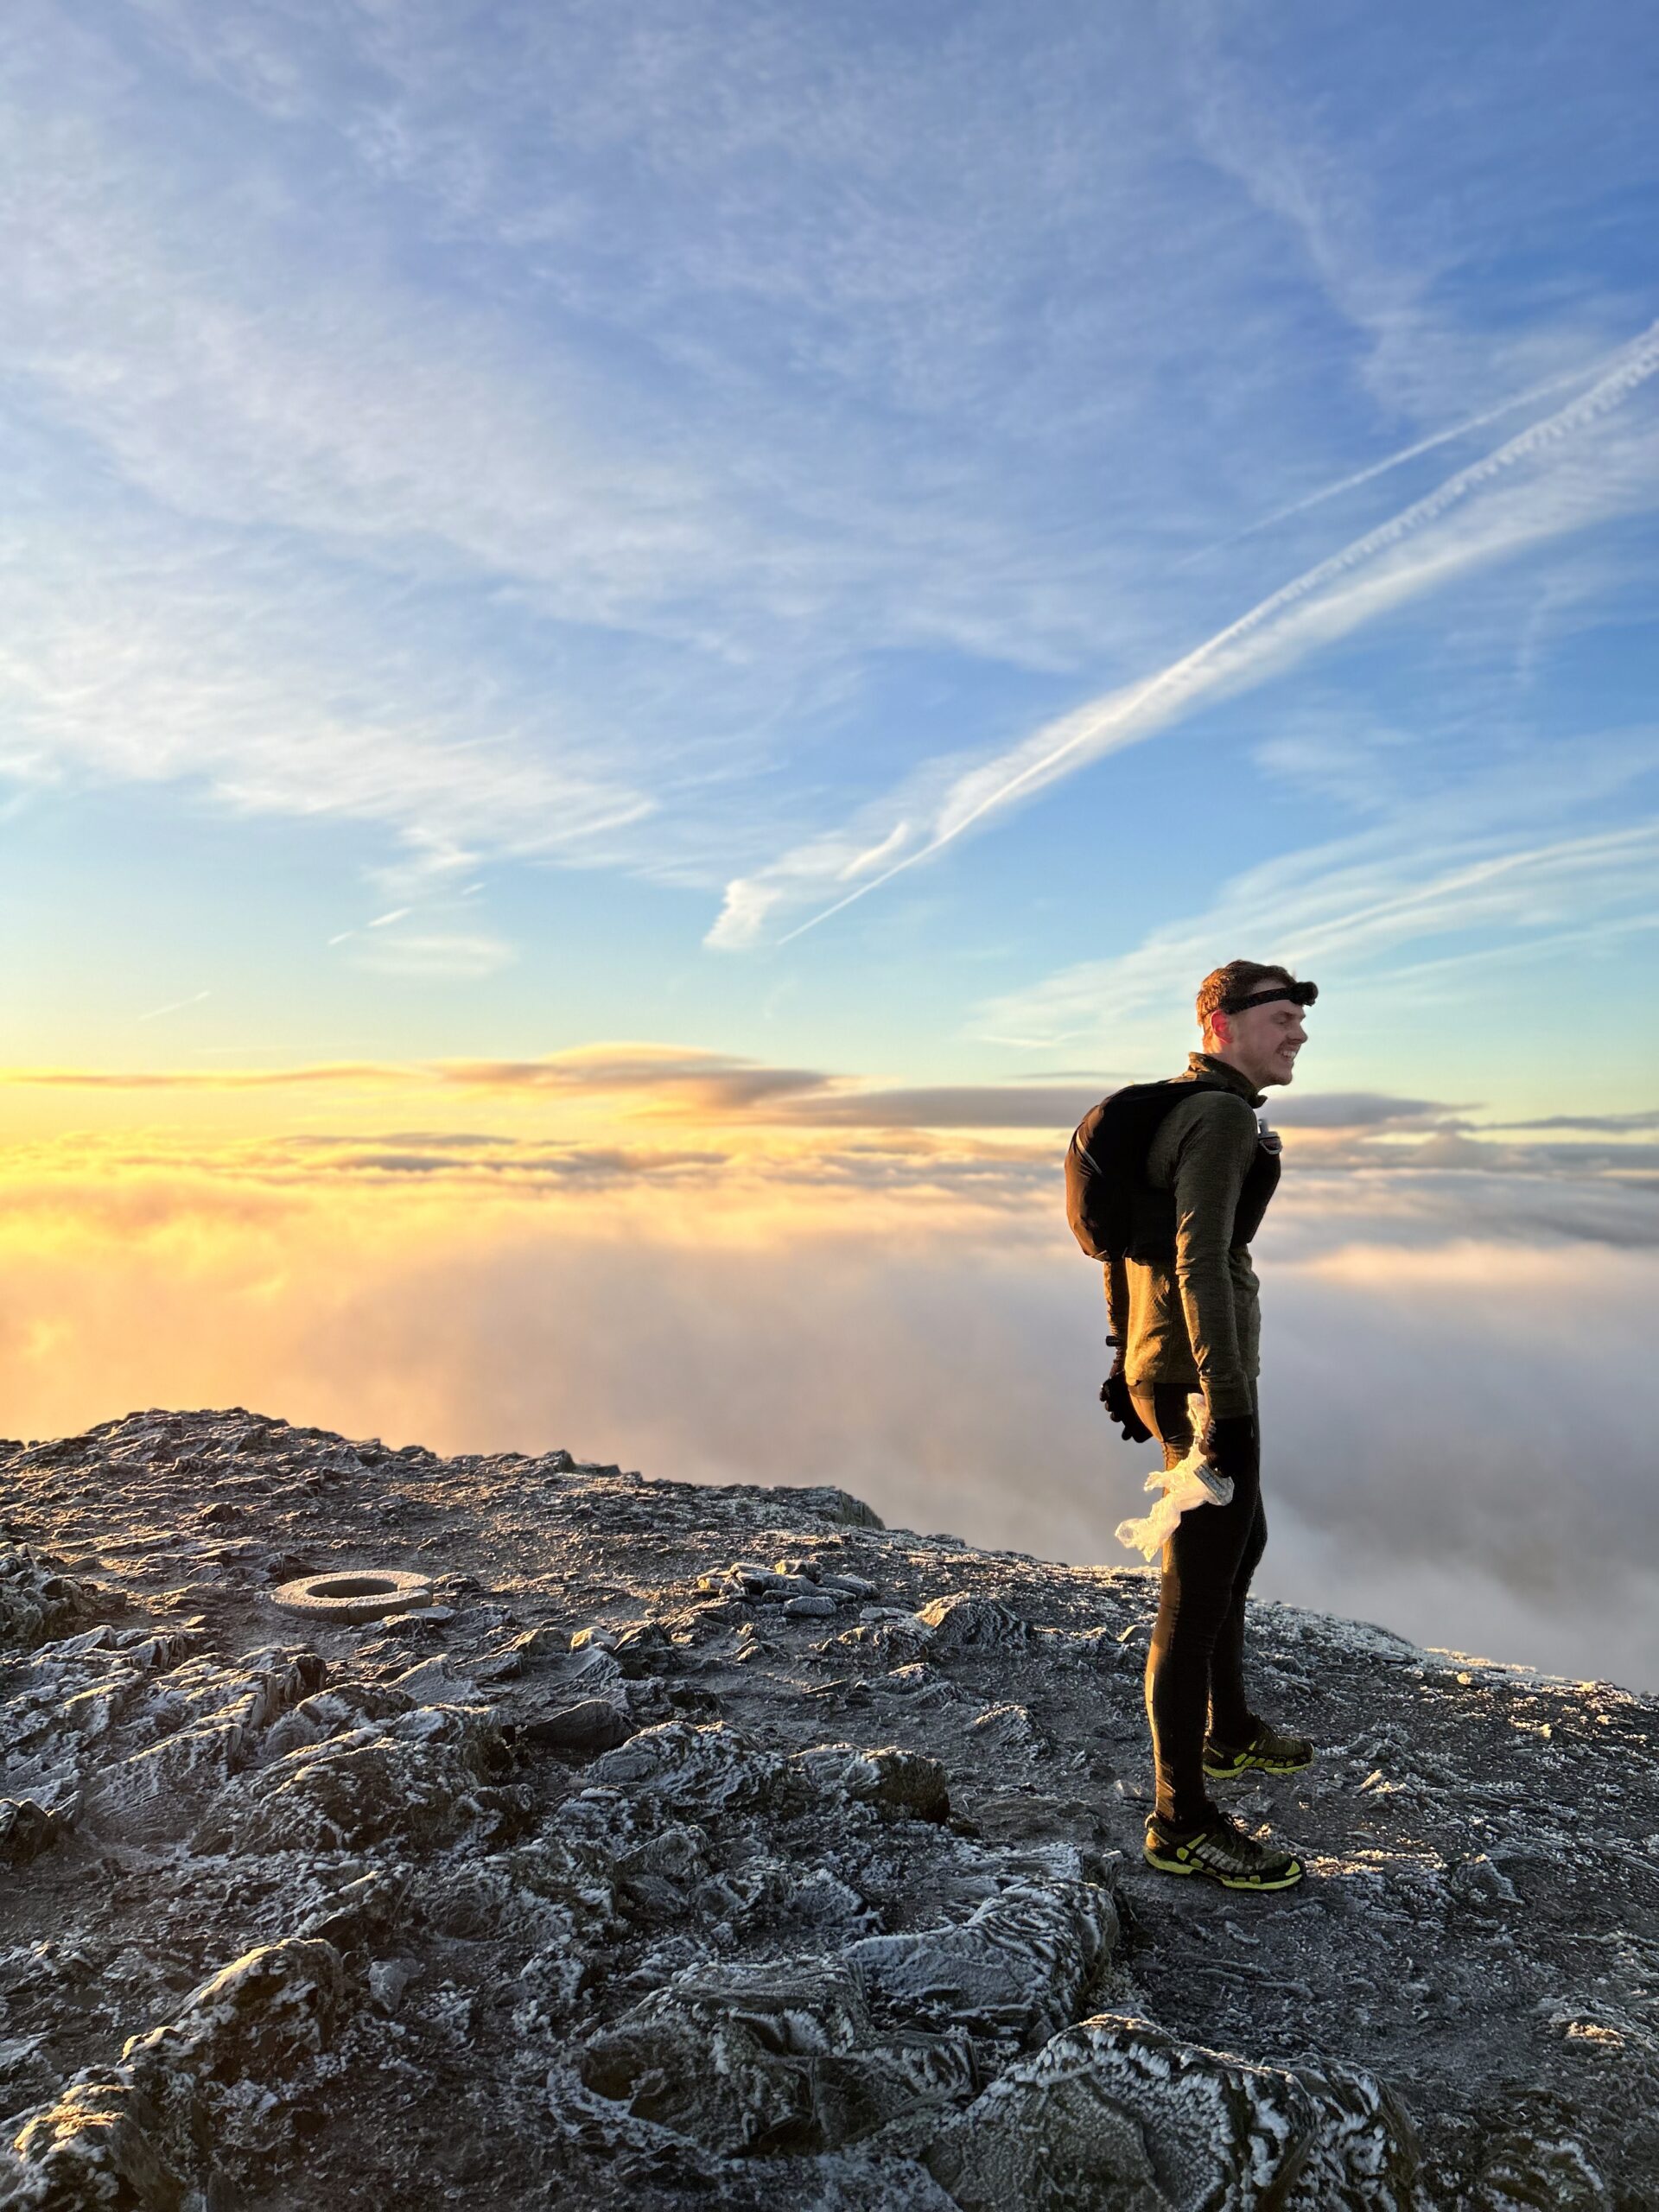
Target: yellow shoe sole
(1174,1864)
(1249,1762)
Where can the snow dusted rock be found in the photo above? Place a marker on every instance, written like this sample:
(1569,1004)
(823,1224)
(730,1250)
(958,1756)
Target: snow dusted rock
(36,1601)
(903,1781)
(1113,2116)
(207,1720)
(1019,1968)
(256,2016)
(773,2058)
(94,2148)
(695,1768)
(423,1778)
(26,1830)
(962,1622)
(776,1908)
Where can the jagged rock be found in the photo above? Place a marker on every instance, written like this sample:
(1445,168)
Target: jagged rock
(1479,1881)
(208,1718)
(93,2149)
(919,1684)
(702,1768)
(775,2058)
(26,1830)
(542,1642)
(36,1601)
(833,1504)
(639,1649)
(1528,2173)
(428,1682)
(904,1780)
(1011,1726)
(849,1586)
(256,2016)
(591,1665)
(754,1919)
(363,1911)
(1114,2115)
(884,1638)
(1019,1967)
(592,1724)
(962,1622)
(421,1779)
(133,2139)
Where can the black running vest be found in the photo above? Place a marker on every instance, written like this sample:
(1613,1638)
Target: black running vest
(1114,1212)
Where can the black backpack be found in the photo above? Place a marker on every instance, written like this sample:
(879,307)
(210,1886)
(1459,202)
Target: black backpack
(1113,1211)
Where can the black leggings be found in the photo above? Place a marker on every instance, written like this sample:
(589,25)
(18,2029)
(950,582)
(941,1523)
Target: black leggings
(1195,1668)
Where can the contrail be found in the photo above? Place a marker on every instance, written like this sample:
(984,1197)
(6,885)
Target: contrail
(173,1006)
(1091,727)
(1397,460)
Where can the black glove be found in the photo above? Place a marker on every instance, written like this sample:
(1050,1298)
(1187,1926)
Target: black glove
(1120,1407)
(1228,1445)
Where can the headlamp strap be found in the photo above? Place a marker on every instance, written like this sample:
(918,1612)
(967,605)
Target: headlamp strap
(1298,994)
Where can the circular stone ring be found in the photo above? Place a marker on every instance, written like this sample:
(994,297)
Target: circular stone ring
(364,1595)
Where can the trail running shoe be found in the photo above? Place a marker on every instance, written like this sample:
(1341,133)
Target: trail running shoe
(1223,1853)
(1267,1750)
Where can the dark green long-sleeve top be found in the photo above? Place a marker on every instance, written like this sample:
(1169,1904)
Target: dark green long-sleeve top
(1196,1323)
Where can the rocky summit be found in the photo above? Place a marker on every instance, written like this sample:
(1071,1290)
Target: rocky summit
(721,1846)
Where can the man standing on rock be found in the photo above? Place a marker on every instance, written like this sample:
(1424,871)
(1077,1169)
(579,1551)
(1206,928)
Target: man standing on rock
(1185,1175)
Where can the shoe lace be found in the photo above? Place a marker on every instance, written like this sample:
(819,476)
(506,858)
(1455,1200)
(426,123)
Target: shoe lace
(1226,1843)
(1274,1742)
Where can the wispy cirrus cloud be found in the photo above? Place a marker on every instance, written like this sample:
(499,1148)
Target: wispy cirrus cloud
(434,955)
(1353,906)
(325,1073)
(1531,487)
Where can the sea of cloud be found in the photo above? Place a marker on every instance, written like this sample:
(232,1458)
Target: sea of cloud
(1458,1432)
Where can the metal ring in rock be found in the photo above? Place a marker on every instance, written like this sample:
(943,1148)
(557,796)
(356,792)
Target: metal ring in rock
(361,1594)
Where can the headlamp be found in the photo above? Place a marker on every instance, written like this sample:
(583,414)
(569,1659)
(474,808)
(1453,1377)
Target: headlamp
(1298,994)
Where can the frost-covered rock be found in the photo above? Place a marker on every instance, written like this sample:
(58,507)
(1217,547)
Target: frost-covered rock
(36,1600)
(1114,2115)
(1019,1967)
(609,1879)
(704,1768)
(421,1779)
(782,2057)
(257,2017)
(93,2150)
(205,1721)
(965,1622)
(27,1829)
(903,1781)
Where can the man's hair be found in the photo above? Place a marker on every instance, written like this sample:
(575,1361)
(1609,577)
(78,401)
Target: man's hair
(1235,981)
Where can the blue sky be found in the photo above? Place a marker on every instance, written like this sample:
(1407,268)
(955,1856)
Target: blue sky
(606,486)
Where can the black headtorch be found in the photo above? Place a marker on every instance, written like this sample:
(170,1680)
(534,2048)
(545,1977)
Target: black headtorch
(1298,994)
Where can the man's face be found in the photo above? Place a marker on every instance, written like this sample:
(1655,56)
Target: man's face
(1263,1041)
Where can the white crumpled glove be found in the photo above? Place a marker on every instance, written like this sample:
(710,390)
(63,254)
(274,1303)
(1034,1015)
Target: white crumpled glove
(1193,1482)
